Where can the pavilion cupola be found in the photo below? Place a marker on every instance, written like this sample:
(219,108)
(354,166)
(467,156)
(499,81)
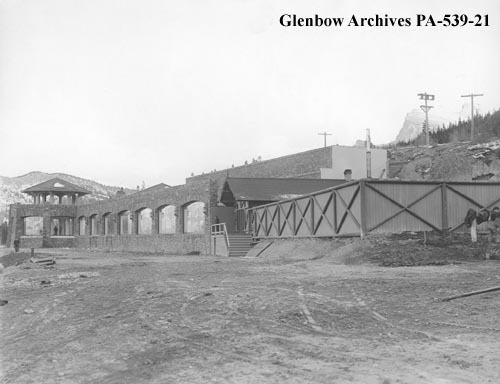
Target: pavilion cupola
(56,191)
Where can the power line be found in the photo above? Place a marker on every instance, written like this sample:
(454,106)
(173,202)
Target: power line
(324,134)
(425,96)
(472,95)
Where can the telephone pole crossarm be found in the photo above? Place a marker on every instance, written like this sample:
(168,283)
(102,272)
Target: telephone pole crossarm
(425,96)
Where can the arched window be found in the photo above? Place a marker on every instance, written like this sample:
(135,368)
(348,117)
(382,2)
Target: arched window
(145,221)
(61,226)
(33,226)
(82,226)
(166,219)
(106,223)
(93,225)
(125,223)
(194,217)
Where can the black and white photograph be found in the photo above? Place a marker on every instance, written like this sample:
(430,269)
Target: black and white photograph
(249,191)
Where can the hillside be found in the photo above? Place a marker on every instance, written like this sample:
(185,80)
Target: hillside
(451,161)
(451,156)
(11,187)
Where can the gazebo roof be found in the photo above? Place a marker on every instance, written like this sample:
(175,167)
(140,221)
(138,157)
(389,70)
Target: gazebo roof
(57,185)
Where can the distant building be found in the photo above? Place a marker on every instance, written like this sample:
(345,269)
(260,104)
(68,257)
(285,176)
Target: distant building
(354,158)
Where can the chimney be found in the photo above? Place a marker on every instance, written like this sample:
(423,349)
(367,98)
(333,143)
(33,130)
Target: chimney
(347,175)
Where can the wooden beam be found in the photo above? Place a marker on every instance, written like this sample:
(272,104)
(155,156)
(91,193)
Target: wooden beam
(493,289)
(404,208)
(323,213)
(302,217)
(348,210)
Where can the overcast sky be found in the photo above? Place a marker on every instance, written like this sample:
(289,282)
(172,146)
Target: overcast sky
(147,90)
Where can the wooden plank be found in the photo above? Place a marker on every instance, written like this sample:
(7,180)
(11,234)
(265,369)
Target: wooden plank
(420,198)
(348,210)
(444,206)
(403,208)
(323,213)
(302,217)
(472,201)
(492,289)
(363,209)
(286,220)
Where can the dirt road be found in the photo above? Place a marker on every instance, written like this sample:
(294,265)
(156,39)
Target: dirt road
(128,318)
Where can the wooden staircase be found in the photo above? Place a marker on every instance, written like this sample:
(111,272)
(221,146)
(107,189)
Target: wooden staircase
(239,244)
(223,243)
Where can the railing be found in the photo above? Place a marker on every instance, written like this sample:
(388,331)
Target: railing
(217,230)
(374,206)
(331,212)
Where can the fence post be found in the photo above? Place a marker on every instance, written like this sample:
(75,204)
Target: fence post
(334,198)
(362,201)
(444,207)
(311,202)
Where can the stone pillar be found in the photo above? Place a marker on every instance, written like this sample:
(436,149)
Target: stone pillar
(135,222)
(51,197)
(46,229)
(155,221)
(179,219)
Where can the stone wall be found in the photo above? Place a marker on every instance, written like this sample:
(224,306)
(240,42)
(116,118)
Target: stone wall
(202,188)
(31,242)
(155,199)
(44,242)
(18,212)
(300,165)
(179,243)
(187,243)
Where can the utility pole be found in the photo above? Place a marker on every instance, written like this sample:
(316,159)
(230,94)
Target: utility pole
(472,95)
(324,134)
(368,155)
(425,96)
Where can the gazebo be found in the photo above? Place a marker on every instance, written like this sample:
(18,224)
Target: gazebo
(56,188)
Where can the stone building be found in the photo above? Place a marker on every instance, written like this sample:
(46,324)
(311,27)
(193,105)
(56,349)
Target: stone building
(163,218)
(160,219)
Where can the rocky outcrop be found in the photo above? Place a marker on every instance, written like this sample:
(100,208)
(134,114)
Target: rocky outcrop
(413,123)
(452,162)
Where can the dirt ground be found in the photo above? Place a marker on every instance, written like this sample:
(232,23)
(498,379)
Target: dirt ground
(138,318)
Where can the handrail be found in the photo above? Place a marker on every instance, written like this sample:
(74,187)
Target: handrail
(220,229)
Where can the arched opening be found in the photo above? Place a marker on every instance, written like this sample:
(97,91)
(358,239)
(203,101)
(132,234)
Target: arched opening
(33,226)
(61,226)
(166,219)
(194,217)
(125,223)
(82,225)
(106,221)
(145,221)
(93,225)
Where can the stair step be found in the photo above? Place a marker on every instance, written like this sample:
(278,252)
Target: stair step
(243,254)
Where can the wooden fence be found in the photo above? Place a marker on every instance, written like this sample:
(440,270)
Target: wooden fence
(374,206)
